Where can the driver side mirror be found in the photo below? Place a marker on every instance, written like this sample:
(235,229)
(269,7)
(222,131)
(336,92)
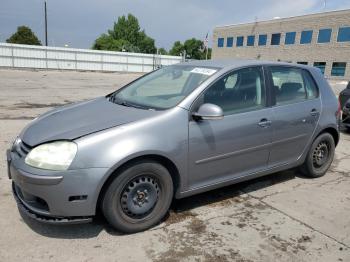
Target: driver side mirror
(208,112)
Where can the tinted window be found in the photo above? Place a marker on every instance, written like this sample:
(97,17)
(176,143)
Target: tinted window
(240,41)
(275,39)
(290,38)
(338,69)
(344,34)
(242,90)
(262,39)
(288,85)
(324,36)
(229,42)
(250,40)
(302,63)
(321,66)
(220,42)
(306,37)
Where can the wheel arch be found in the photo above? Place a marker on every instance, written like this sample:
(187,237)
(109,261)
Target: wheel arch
(166,162)
(333,131)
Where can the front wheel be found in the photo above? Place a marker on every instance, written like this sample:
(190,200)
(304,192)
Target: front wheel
(320,156)
(139,197)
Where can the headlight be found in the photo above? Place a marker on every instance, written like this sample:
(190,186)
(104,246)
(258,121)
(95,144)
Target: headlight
(52,156)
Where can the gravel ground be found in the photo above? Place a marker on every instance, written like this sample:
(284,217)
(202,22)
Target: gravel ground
(281,217)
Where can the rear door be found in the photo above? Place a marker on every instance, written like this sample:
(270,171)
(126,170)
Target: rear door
(296,112)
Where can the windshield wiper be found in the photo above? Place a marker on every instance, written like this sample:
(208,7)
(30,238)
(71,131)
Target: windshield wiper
(122,102)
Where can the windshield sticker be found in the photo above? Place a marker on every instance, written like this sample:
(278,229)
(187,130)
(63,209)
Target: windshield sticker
(203,71)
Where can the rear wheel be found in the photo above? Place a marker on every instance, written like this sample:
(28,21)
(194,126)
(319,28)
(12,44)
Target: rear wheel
(320,156)
(139,197)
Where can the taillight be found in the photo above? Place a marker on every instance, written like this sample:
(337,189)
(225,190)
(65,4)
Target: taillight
(338,113)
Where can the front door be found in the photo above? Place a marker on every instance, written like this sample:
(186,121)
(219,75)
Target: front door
(296,113)
(238,144)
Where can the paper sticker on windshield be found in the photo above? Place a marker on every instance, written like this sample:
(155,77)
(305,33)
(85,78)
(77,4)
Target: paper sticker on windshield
(203,71)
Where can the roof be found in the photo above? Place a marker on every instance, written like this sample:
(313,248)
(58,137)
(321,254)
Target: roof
(235,63)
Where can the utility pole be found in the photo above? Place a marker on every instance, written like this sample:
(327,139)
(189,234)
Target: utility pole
(45,24)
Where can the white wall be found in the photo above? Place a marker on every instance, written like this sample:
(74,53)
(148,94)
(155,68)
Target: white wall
(25,56)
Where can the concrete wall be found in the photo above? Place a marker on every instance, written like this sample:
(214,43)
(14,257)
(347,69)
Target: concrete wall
(24,56)
(314,52)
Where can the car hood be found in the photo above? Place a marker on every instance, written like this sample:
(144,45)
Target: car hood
(75,120)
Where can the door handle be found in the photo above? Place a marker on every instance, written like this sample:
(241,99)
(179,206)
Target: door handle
(265,123)
(314,112)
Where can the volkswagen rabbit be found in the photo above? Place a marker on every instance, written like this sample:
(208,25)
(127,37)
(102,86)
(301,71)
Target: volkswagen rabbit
(178,131)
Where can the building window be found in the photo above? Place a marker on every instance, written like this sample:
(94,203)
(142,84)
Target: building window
(290,38)
(251,40)
(240,41)
(338,69)
(262,39)
(302,63)
(220,42)
(344,34)
(229,42)
(324,36)
(275,39)
(321,66)
(306,37)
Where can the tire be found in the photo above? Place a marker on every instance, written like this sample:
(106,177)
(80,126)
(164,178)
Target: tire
(139,197)
(320,156)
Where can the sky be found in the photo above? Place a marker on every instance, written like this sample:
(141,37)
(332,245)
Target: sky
(77,23)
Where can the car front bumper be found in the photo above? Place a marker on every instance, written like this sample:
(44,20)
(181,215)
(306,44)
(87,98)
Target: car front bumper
(55,197)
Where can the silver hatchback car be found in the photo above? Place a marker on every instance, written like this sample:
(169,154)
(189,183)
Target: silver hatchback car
(178,131)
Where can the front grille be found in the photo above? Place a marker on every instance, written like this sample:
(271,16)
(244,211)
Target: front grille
(21,149)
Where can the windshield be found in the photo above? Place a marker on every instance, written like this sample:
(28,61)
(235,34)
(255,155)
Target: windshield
(163,88)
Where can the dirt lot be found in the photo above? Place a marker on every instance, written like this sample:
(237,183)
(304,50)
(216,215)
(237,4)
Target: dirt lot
(281,217)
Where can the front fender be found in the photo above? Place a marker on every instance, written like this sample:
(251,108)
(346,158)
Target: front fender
(165,135)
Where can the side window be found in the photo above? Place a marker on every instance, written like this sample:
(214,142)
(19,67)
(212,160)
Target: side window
(311,88)
(240,91)
(231,81)
(292,85)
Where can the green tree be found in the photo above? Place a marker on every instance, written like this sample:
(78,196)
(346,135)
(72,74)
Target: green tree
(107,42)
(25,36)
(126,35)
(146,44)
(194,49)
(209,53)
(162,51)
(177,49)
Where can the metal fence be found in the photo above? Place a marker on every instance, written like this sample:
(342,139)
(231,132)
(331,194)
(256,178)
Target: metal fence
(25,56)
